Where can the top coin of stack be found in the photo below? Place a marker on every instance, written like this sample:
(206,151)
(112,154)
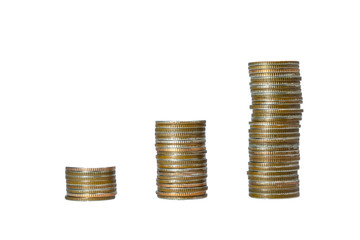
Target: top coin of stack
(181,159)
(90,184)
(274,129)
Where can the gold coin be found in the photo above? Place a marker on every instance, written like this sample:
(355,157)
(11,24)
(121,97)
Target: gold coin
(284,66)
(183,149)
(272,169)
(160,181)
(174,185)
(92,191)
(275,80)
(275,107)
(78,182)
(274,196)
(200,156)
(274,158)
(274,182)
(181,166)
(274,70)
(271,178)
(274,131)
(273,141)
(183,197)
(77,169)
(281,164)
(275,126)
(271,187)
(179,130)
(181,162)
(82,186)
(91,195)
(188,173)
(272,174)
(173,194)
(181,190)
(272,63)
(89,199)
(273,135)
(174,137)
(180,122)
(180,145)
(294,152)
(274,191)
(90,178)
(181,178)
(90,173)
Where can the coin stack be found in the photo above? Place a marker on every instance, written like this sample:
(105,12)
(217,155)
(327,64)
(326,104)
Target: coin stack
(181,159)
(90,184)
(274,129)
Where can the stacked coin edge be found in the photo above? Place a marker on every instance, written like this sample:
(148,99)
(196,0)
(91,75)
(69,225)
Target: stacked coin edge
(181,159)
(274,129)
(90,184)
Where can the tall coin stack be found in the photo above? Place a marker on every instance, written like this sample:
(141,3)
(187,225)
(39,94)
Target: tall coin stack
(181,159)
(90,184)
(274,129)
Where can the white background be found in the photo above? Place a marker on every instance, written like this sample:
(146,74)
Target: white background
(82,83)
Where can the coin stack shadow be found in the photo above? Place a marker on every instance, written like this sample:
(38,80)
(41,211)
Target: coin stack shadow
(181,159)
(274,129)
(90,184)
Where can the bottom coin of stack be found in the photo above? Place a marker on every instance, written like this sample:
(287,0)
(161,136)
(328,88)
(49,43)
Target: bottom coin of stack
(90,184)
(181,159)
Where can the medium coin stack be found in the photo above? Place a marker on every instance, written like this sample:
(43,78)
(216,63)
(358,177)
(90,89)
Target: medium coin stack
(181,159)
(90,184)
(274,129)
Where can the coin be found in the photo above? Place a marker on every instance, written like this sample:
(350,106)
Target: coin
(90,178)
(187,185)
(89,169)
(183,197)
(274,191)
(181,194)
(181,190)
(181,166)
(181,178)
(274,169)
(90,182)
(83,186)
(181,162)
(89,198)
(91,195)
(176,156)
(90,173)
(271,174)
(182,182)
(92,191)
(274,196)
(202,122)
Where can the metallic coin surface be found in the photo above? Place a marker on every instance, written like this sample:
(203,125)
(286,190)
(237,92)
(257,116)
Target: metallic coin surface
(274,137)
(90,184)
(84,199)
(183,197)
(274,196)
(90,169)
(181,159)
(181,194)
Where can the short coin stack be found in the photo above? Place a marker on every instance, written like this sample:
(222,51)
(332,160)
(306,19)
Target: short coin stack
(90,184)
(274,129)
(181,159)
